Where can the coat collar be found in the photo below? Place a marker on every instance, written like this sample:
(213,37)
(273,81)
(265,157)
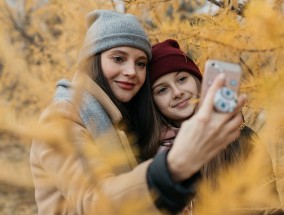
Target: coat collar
(83,81)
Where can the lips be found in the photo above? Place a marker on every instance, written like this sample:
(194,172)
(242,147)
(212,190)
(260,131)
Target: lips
(125,85)
(181,104)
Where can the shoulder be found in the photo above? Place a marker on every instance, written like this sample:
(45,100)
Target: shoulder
(59,127)
(62,109)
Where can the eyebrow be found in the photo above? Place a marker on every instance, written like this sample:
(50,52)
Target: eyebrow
(158,85)
(118,51)
(178,72)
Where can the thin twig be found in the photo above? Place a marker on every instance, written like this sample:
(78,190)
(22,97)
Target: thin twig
(113,5)
(217,3)
(236,48)
(244,63)
(239,10)
(29,38)
(16,26)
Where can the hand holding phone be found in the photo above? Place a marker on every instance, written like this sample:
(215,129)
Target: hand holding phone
(226,97)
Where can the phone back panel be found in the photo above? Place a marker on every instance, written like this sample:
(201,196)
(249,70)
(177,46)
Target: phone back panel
(213,68)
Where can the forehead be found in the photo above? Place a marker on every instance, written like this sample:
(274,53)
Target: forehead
(127,50)
(171,76)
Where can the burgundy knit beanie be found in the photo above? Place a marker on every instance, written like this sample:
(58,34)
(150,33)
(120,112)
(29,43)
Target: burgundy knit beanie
(167,57)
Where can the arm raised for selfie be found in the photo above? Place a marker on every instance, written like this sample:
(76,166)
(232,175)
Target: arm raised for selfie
(204,135)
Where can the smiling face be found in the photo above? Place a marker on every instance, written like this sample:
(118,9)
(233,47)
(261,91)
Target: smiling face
(175,95)
(125,71)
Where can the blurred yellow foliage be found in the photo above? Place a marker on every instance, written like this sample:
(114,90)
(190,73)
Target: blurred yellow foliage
(40,42)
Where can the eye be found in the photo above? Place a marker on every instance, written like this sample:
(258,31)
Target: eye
(118,59)
(182,79)
(141,64)
(162,91)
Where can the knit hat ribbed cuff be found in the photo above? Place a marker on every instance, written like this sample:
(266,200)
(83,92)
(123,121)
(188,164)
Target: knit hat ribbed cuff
(110,29)
(168,57)
(116,40)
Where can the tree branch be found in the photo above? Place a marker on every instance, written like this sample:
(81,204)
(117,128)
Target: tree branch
(244,63)
(113,5)
(239,49)
(239,10)
(217,3)
(29,38)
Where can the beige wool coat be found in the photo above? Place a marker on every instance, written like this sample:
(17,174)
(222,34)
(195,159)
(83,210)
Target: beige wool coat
(76,174)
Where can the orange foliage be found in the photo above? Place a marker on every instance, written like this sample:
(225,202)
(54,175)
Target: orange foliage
(40,42)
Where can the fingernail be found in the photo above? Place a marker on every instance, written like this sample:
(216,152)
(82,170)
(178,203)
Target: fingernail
(222,76)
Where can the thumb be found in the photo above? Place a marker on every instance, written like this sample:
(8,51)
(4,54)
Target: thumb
(208,102)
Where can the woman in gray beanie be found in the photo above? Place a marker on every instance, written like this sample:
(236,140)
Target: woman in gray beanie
(90,167)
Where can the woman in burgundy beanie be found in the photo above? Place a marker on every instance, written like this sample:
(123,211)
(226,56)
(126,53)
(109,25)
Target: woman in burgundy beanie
(175,82)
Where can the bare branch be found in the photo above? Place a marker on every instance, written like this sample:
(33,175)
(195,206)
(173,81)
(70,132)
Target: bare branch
(217,3)
(237,48)
(29,38)
(239,10)
(113,5)
(248,68)
(16,26)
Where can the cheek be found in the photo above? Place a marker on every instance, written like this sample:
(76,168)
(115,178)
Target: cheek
(108,69)
(141,76)
(192,87)
(194,90)
(161,102)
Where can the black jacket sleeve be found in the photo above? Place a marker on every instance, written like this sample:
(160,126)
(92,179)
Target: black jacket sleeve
(169,196)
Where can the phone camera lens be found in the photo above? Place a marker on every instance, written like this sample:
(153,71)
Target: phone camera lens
(233,82)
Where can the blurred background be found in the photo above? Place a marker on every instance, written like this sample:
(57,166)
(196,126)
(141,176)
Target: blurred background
(40,41)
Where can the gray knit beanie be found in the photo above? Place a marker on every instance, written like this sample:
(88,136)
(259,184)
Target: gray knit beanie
(109,29)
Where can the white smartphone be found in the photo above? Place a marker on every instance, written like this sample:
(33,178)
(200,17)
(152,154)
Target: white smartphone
(213,68)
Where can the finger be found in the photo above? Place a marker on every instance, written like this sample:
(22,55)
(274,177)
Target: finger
(230,139)
(241,102)
(208,102)
(234,123)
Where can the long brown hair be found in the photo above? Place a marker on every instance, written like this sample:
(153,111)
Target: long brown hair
(138,114)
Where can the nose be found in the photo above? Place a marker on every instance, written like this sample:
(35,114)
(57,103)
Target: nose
(177,92)
(130,70)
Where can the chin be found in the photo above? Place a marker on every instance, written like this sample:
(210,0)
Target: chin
(187,116)
(124,99)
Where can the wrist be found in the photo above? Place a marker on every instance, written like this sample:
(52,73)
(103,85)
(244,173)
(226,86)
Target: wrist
(179,167)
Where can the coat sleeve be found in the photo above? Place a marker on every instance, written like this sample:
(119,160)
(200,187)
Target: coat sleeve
(170,196)
(71,176)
